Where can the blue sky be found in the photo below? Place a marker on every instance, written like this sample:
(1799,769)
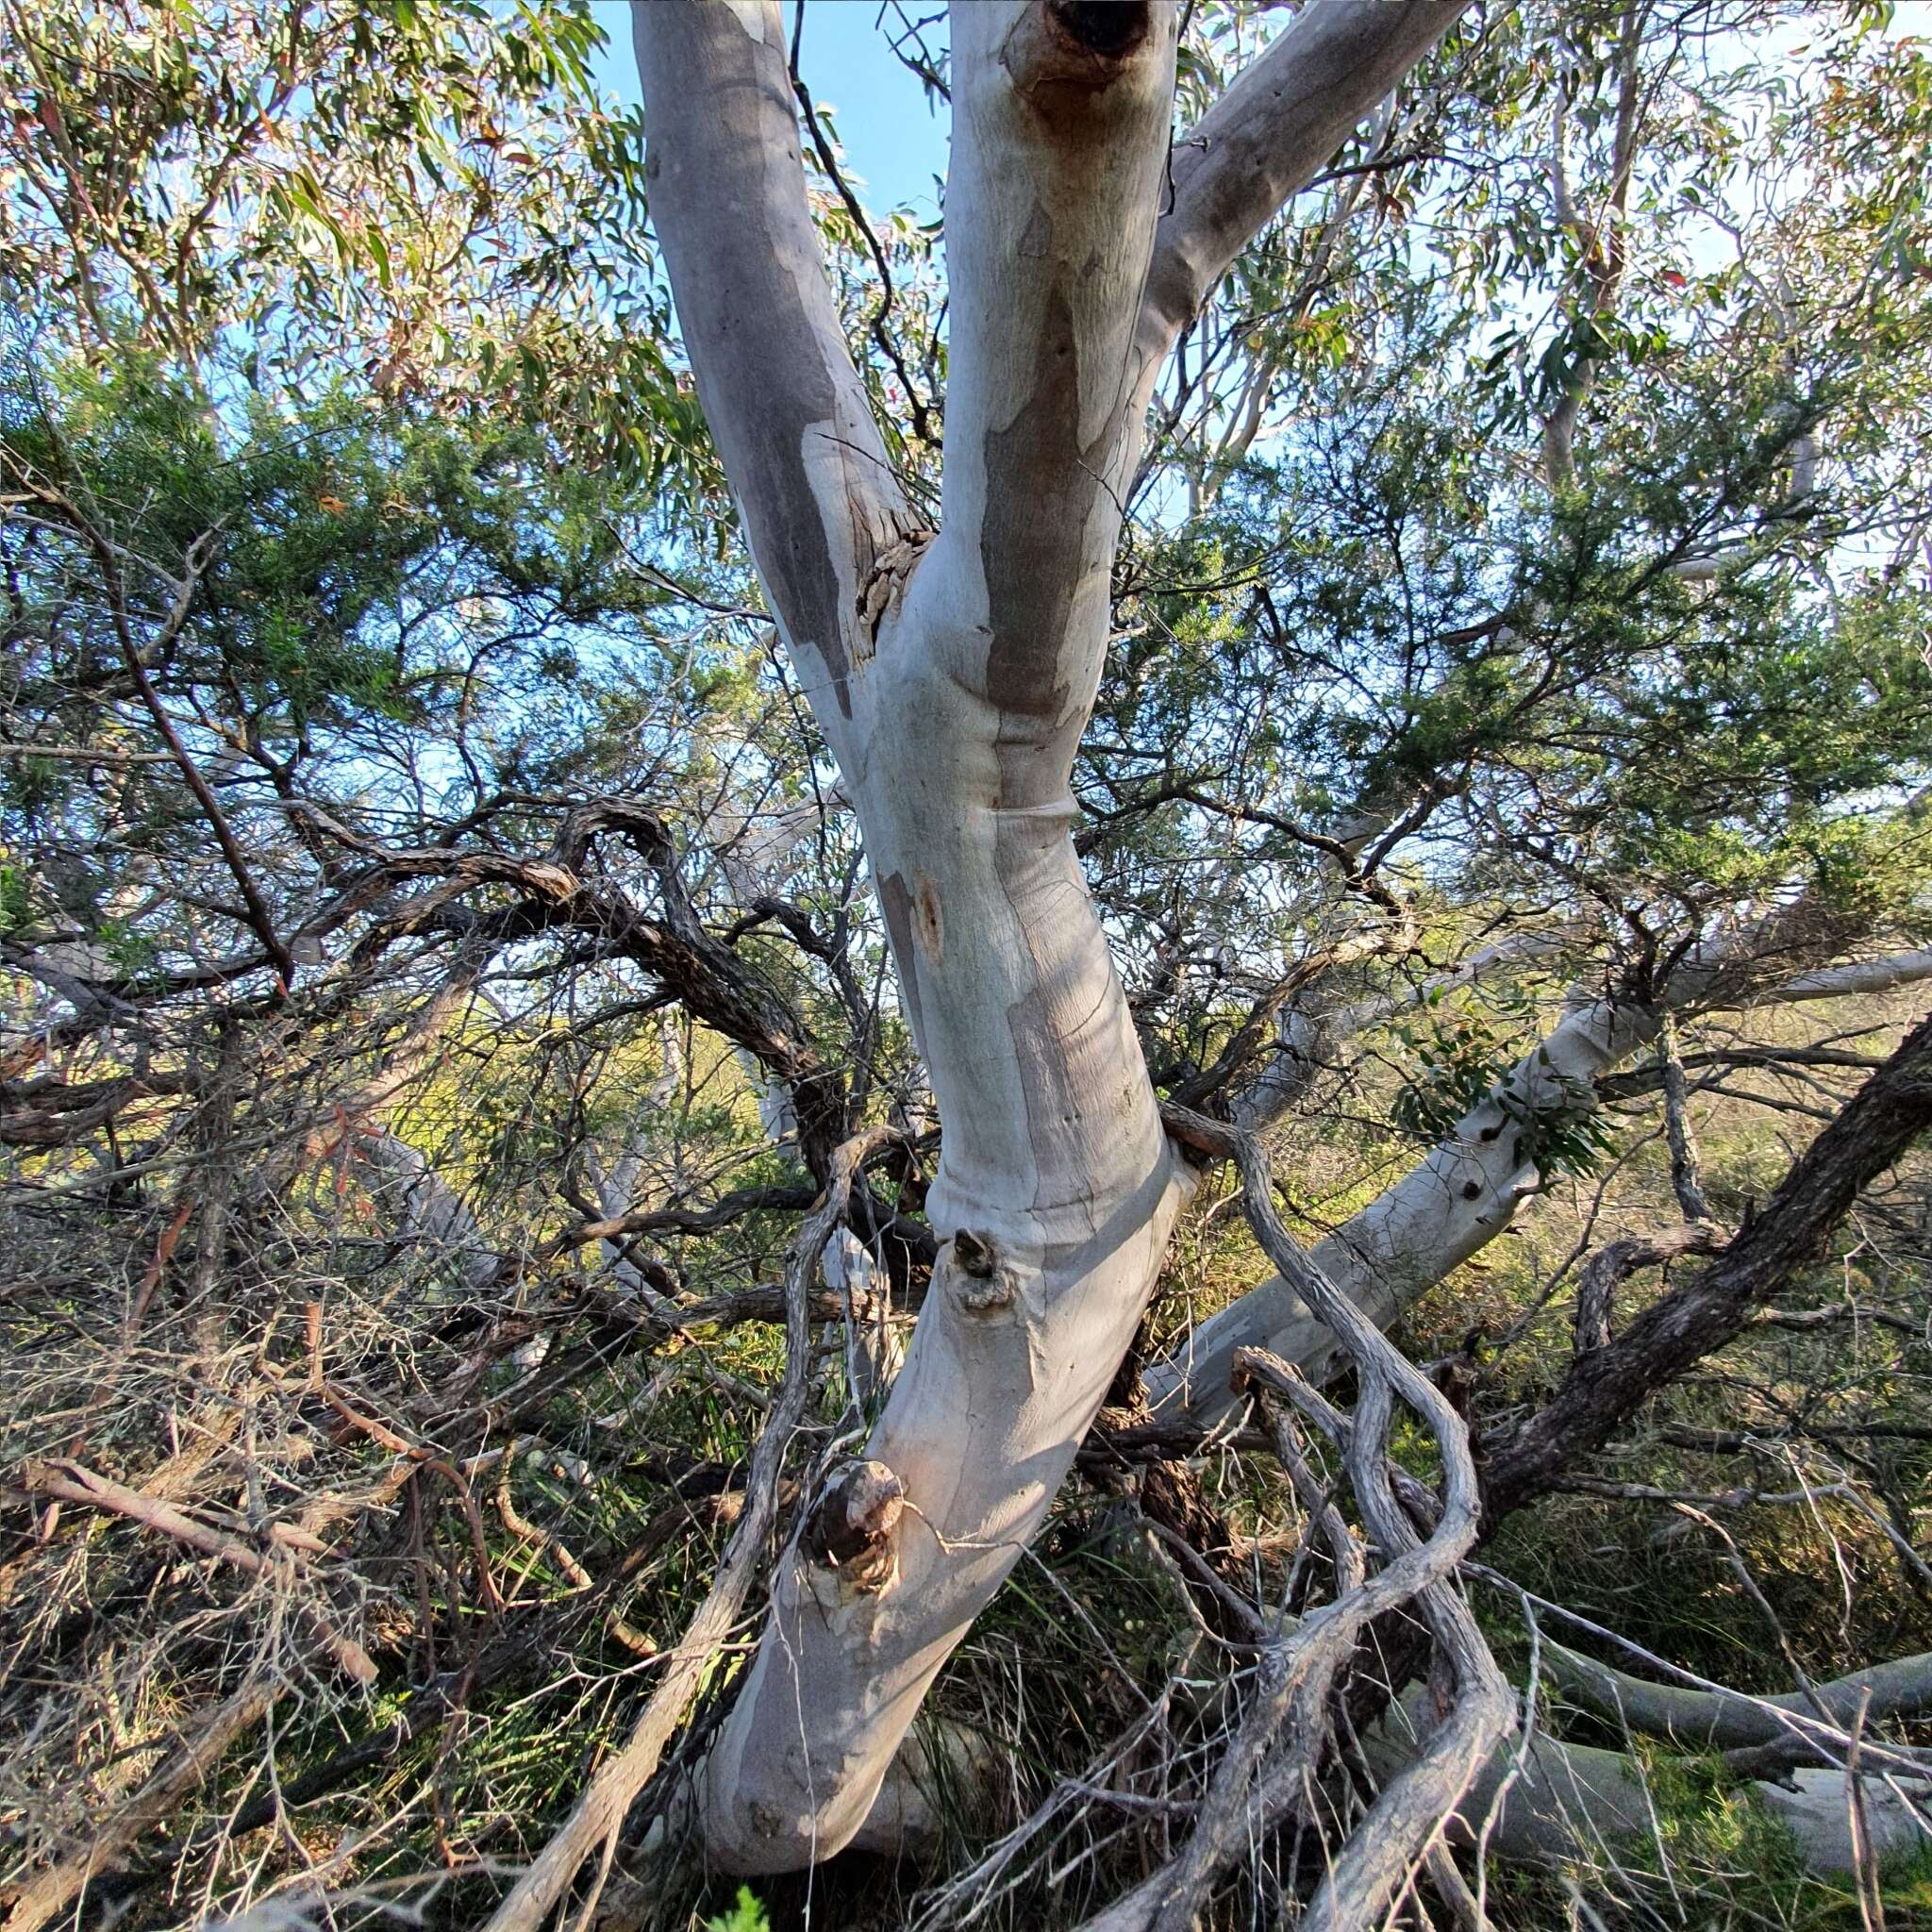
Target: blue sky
(892,139)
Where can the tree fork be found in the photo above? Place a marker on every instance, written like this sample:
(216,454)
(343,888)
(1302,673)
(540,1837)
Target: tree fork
(1056,1187)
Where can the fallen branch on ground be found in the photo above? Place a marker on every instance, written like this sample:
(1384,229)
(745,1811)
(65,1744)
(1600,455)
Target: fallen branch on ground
(69,1482)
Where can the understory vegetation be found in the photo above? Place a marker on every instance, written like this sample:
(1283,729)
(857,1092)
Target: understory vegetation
(446,1026)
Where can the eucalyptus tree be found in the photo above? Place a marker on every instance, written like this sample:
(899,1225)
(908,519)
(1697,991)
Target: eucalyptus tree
(1379,579)
(954,670)
(426,201)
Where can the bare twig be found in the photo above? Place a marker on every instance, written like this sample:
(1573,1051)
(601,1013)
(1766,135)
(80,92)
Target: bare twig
(600,1811)
(52,1894)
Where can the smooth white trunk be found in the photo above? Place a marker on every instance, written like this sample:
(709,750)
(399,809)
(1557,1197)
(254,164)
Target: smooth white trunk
(966,678)
(953,673)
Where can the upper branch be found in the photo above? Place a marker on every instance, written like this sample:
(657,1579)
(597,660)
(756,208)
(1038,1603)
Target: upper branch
(784,403)
(1266,138)
(1060,115)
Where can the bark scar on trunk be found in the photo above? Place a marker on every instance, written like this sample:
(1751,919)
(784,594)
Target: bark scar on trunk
(932,925)
(1065,53)
(885,588)
(983,1285)
(1113,28)
(851,1525)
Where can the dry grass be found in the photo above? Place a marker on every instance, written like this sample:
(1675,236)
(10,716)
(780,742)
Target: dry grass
(374,1424)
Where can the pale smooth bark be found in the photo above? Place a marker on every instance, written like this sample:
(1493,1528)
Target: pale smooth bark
(1726,1720)
(952,675)
(418,1205)
(1467,1189)
(1452,1204)
(1859,976)
(1546,1801)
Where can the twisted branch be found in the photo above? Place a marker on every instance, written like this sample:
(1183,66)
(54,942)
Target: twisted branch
(1379,1858)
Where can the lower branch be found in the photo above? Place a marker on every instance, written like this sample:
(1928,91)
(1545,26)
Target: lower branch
(1469,1187)
(1728,1719)
(1605,1385)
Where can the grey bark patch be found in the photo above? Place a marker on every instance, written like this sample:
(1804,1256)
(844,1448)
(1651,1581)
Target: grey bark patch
(719,179)
(896,901)
(767,1820)
(1046,1031)
(986,1297)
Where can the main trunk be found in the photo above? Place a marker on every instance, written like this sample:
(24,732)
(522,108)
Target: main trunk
(1055,1195)
(953,673)
(965,665)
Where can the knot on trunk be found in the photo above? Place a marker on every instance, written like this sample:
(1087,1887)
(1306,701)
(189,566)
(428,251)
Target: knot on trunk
(851,1525)
(979,1283)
